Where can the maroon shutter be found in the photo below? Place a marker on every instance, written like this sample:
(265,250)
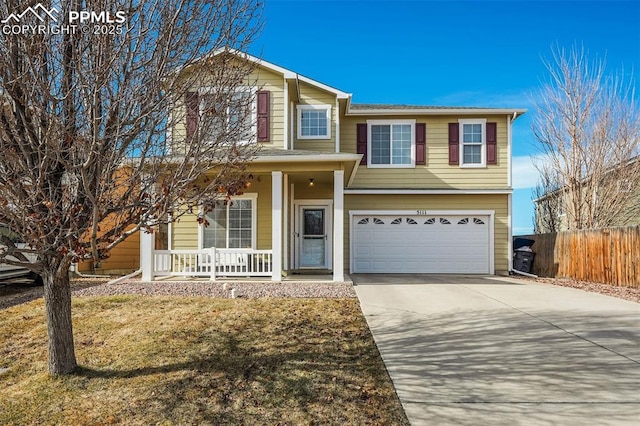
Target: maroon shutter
(421,144)
(192,102)
(454,144)
(492,143)
(264,108)
(362,141)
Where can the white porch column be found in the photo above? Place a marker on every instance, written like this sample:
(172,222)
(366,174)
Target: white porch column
(285,223)
(147,247)
(276,225)
(338,225)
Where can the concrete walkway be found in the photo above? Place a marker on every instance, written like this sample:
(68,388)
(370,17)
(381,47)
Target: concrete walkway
(465,350)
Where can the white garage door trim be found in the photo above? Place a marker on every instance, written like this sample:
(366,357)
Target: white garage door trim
(489,213)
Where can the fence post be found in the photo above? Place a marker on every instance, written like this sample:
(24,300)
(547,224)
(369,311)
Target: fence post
(212,255)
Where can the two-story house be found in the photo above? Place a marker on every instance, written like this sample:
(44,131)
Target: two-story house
(606,198)
(359,188)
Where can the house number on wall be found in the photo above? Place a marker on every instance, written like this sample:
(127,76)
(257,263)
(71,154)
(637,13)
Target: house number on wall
(421,212)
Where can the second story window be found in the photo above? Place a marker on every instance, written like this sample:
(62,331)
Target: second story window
(473,143)
(392,143)
(314,121)
(228,116)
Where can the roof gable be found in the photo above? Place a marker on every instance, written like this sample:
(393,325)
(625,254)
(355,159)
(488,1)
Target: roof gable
(286,73)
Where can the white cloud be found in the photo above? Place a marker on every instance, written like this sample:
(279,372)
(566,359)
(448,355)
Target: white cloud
(524,173)
(522,230)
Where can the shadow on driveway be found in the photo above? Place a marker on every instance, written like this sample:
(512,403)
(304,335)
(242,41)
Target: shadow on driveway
(486,350)
(407,279)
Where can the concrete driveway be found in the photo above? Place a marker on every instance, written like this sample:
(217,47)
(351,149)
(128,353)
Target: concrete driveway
(469,350)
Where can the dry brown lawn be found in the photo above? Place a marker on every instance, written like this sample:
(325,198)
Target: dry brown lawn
(178,360)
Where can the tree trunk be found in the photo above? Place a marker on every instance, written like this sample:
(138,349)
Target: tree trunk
(57,296)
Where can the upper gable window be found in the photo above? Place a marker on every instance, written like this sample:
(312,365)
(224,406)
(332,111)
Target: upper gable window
(473,143)
(314,121)
(230,116)
(392,143)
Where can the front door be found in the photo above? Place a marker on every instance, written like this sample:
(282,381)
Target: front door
(313,237)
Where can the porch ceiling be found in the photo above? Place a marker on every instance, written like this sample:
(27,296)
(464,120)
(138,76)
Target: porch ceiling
(303,165)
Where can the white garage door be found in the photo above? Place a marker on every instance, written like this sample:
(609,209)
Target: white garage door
(421,244)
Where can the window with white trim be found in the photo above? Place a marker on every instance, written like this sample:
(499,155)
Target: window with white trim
(473,151)
(314,121)
(225,114)
(391,143)
(231,224)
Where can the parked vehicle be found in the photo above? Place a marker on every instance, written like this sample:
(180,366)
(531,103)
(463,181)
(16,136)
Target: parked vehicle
(12,274)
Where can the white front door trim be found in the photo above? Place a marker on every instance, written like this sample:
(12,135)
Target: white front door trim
(338,225)
(299,205)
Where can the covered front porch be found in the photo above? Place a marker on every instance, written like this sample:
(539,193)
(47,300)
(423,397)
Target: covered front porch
(289,222)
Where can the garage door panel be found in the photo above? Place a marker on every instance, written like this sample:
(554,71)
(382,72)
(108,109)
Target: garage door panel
(416,244)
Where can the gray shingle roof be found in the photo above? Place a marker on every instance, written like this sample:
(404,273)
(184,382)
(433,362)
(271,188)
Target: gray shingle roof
(361,107)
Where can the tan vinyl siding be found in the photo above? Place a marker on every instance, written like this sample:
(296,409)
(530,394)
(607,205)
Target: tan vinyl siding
(320,191)
(274,83)
(437,173)
(260,79)
(310,95)
(185,232)
(264,206)
(498,203)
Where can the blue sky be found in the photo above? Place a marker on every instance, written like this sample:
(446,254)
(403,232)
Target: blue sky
(449,53)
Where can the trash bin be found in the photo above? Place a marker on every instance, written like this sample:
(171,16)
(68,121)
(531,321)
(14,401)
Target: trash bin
(523,261)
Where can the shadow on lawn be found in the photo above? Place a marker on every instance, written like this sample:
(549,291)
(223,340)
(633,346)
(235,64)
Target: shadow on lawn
(315,375)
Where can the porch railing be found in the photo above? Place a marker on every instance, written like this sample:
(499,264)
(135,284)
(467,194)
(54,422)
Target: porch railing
(212,263)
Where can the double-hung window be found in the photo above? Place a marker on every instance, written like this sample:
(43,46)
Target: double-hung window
(231,224)
(314,121)
(392,143)
(472,143)
(228,116)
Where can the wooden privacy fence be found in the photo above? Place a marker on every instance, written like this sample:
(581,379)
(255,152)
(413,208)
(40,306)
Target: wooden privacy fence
(610,255)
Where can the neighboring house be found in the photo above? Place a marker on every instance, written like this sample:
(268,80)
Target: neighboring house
(612,200)
(123,259)
(361,188)
(11,272)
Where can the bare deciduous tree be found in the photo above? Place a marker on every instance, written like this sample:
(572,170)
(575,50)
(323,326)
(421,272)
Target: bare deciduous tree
(93,140)
(549,198)
(587,125)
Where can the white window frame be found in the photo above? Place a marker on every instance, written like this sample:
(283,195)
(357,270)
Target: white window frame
(326,108)
(254,221)
(411,165)
(483,143)
(203,91)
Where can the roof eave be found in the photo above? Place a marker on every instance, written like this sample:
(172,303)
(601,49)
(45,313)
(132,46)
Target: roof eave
(288,74)
(306,158)
(516,112)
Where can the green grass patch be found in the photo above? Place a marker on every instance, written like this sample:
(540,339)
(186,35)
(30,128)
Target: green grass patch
(176,360)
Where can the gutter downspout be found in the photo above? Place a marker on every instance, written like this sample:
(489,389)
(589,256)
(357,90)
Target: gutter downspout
(126,277)
(510,196)
(74,271)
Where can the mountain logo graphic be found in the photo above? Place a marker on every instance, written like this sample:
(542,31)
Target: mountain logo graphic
(38,10)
